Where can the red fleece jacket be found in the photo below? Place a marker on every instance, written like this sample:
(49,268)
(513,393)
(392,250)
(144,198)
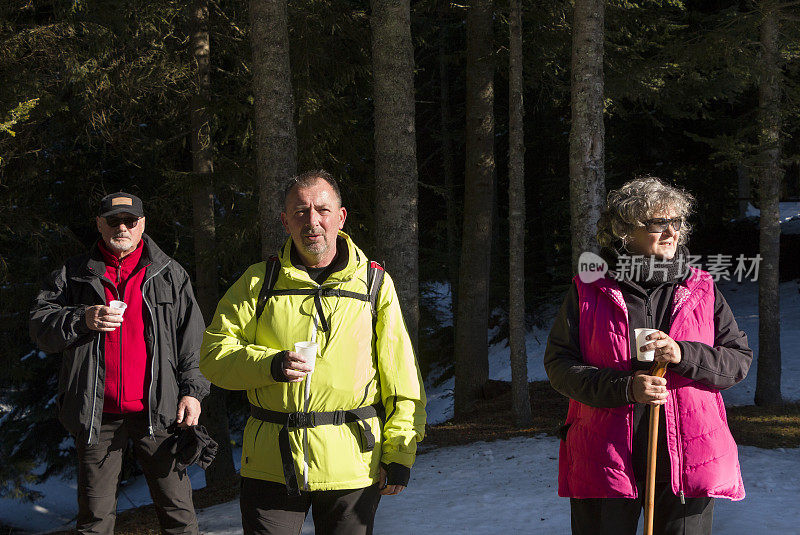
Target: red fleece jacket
(127,369)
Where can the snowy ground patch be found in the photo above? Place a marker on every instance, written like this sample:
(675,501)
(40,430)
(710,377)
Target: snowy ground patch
(743,300)
(788,216)
(510,486)
(59,507)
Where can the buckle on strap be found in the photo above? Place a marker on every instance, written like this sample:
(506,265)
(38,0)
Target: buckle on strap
(301,420)
(339,417)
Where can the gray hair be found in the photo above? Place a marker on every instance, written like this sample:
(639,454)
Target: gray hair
(309,178)
(628,207)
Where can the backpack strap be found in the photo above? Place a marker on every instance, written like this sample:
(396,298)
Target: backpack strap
(271,277)
(375,273)
(374,281)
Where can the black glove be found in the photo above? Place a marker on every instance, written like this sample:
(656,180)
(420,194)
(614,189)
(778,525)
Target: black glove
(397,474)
(276,369)
(194,446)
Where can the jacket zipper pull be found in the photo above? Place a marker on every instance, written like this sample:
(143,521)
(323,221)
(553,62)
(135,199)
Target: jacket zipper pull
(649,315)
(683,499)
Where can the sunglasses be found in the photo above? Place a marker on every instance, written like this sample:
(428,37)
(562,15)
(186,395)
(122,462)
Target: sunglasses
(130,222)
(661,224)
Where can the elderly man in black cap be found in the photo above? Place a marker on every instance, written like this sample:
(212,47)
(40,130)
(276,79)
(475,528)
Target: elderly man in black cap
(126,321)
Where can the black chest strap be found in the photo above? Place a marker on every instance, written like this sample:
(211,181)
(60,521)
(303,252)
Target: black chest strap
(304,420)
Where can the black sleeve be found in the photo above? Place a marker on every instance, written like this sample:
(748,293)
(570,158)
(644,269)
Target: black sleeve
(189,331)
(723,365)
(54,323)
(569,375)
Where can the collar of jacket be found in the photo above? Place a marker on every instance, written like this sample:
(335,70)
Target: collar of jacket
(355,260)
(152,257)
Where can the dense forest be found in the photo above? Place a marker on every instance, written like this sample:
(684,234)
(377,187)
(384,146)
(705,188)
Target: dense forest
(447,124)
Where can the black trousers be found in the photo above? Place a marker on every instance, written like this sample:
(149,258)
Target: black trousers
(267,509)
(100,465)
(620,516)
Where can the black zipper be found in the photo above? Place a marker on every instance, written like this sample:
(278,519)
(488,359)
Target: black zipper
(649,314)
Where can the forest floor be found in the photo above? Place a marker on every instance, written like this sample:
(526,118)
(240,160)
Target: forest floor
(492,420)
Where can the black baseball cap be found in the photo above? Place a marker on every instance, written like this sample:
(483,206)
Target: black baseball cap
(121,203)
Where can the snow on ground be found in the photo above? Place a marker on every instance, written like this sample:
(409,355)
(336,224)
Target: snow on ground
(743,300)
(510,485)
(505,485)
(58,508)
(788,215)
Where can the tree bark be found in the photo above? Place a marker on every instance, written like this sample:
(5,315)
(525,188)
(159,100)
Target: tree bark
(520,394)
(214,414)
(276,146)
(471,348)
(768,381)
(587,135)
(447,158)
(397,237)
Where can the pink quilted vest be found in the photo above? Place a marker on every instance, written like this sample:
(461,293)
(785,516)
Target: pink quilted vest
(595,460)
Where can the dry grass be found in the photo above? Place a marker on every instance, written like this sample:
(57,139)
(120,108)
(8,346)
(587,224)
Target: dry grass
(766,427)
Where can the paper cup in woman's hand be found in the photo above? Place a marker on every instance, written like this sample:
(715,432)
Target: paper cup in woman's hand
(641,340)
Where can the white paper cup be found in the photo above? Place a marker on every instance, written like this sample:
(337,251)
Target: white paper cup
(309,352)
(119,305)
(641,335)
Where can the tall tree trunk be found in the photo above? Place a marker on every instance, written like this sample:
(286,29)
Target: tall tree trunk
(768,381)
(447,157)
(397,239)
(471,348)
(215,414)
(520,395)
(276,147)
(587,135)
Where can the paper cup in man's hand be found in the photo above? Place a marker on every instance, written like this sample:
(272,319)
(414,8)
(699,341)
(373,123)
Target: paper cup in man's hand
(309,352)
(119,305)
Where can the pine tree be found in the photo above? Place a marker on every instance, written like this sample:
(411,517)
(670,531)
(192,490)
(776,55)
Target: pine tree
(768,381)
(273,105)
(396,231)
(214,414)
(587,134)
(471,345)
(520,394)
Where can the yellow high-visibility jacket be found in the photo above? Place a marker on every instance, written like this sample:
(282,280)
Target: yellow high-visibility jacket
(356,366)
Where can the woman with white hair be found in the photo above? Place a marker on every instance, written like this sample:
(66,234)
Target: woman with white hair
(591,359)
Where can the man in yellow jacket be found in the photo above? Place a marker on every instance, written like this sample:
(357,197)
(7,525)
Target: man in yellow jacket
(334,432)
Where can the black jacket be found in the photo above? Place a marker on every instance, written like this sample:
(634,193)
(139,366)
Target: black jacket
(173,331)
(720,366)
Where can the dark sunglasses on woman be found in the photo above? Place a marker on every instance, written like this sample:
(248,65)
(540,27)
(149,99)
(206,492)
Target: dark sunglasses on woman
(660,224)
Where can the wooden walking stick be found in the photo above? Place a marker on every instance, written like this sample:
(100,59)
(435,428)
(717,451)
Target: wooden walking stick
(659,369)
